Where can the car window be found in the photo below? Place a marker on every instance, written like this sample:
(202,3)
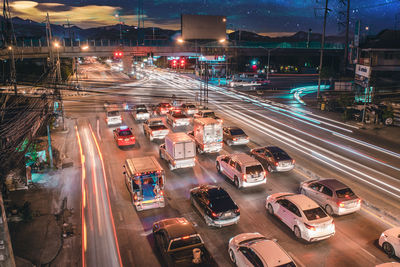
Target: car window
(344,193)
(226,159)
(267,154)
(314,214)
(327,191)
(251,257)
(125,133)
(238,168)
(255,169)
(113,113)
(293,208)
(315,186)
(260,151)
(184,242)
(237,132)
(284,203)
(232,163)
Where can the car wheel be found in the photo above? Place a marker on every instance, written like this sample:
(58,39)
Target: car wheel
(269,168)
(329,210)
(389,121)
(388,248)
(296,231)
(236,181)
(270,209)
(218,168)
(232,256)
(161,157)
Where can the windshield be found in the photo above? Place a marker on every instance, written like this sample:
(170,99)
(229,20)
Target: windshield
(252,240)
(191,106)
(155,123)
(344,193)
(256,169)
(184,242)
(237,132)
(314,214)
(179,115)
(125,133)
(209,114)
(165,105)
(113,113)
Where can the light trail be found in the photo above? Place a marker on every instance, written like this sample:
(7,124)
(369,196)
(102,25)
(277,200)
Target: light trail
(107,194)
(83,174)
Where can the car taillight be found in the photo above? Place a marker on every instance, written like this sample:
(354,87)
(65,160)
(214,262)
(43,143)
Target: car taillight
(264,173)
(161,193)
(276,163)
(135,197)
(359,201)
(340,204)
(293,161)
(310,227)
(237,210)
(245,177)
(234,139)
(215,215)
(247,137)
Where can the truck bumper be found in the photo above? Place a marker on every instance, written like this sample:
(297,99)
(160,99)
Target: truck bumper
(149,204)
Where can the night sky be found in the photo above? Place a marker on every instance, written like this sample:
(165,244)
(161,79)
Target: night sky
(269,17)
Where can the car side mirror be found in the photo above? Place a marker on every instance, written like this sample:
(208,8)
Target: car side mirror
(124,172)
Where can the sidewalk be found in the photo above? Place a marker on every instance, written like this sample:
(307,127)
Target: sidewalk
(48,231)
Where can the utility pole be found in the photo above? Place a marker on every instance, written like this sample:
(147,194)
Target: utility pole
(346,48)
(10,43)
(308,37)
(322,49)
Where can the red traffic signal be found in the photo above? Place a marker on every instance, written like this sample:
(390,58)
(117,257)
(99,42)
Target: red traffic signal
(118,54)
(182,62)
(174,62)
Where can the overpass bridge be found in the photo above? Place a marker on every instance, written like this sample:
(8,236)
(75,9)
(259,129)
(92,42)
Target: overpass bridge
(106,48)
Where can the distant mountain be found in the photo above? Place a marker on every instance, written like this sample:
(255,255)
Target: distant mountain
(300,36)
(30,29)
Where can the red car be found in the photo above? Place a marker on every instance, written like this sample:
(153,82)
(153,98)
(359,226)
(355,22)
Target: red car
(124,136)
(163,108)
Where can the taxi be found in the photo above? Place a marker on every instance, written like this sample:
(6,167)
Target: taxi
(124,136)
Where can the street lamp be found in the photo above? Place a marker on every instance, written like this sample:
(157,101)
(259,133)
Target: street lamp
(85,47)
(180,40)
(222,41)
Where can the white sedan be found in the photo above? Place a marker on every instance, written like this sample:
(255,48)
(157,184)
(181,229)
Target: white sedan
(390,241)
(302,215)
(254,249)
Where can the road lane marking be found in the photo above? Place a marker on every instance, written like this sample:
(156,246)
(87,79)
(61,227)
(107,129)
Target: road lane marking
(378,217)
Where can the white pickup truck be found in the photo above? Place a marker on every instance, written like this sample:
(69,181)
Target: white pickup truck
(207,133)
(179,150)
(155,128)
(176,118)
(113,117)
(140,113)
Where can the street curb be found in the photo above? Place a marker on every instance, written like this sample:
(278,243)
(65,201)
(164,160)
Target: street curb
(367,205)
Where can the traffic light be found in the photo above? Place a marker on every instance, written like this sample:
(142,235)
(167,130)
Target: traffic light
(118,54)
(174,63)
(182,62)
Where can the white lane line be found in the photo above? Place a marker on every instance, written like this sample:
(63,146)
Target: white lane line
(318,156)
(218,90)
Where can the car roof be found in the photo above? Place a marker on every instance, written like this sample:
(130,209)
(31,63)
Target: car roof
(302,201)
(233,128)
(270,252)
(244,159)
(177,227)
(333,184)
(274,148)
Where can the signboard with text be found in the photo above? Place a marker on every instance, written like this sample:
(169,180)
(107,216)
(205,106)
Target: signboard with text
(363,70)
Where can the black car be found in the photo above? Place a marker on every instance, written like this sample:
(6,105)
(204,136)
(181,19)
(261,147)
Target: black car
(215,205)
(180,244)
(235,136)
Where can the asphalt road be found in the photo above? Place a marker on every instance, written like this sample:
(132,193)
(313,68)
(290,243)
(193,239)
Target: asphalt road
(321,148)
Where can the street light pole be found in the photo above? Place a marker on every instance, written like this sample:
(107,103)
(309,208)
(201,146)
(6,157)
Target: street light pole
(269,53)
(322,49)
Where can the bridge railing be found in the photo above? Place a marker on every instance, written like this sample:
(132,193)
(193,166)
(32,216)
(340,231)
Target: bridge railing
(164,43)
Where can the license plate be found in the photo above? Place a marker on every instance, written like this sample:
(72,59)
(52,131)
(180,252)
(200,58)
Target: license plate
(126,139)
(228,214)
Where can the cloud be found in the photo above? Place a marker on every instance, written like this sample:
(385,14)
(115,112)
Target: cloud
(83,16)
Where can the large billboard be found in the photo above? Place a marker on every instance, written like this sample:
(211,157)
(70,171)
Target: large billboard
(203,27)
